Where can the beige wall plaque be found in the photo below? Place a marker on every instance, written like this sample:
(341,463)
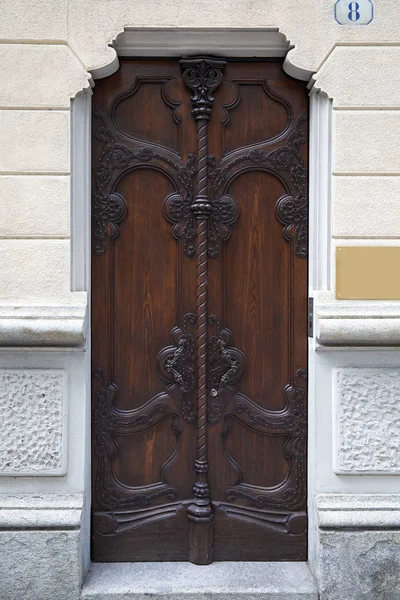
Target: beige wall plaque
(368,273)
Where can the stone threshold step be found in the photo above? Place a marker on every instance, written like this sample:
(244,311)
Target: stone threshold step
(184,581)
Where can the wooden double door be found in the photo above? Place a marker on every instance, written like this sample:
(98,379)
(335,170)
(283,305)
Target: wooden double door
(199,312)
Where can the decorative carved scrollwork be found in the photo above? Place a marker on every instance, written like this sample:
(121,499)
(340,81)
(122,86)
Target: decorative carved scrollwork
(291,421)
(110,420)
(108,212)
(294,523)
(224,212)
(286,161)
(120,154)
(177,208)
(291,210)
(108,523)
(226,366)
(177,364)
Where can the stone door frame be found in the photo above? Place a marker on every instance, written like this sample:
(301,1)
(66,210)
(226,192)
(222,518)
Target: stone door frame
(263,42)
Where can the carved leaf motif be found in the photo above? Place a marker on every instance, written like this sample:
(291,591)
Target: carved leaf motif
(291,209)
(225,210)
(292,212)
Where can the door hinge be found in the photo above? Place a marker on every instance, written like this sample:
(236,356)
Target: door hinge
(310,318)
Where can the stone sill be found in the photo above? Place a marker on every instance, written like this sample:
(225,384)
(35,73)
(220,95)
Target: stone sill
(184,581)
(358,511)
(358,324)
(40,511)
(43,326)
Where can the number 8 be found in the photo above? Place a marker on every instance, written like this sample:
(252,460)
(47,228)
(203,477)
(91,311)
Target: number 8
(354,15)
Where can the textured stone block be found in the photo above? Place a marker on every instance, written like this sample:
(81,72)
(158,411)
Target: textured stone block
(367,419)
(366,206)
(33,436)
(360,565)
(31,269)
(366,141)
(34,206)
(35,141)
(40,565)
(39,76)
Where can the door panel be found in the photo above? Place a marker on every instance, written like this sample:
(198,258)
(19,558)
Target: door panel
(199,312)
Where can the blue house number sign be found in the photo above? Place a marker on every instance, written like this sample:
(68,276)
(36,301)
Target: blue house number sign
(355,12)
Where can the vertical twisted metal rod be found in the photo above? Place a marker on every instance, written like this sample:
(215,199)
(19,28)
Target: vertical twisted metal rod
(202,76)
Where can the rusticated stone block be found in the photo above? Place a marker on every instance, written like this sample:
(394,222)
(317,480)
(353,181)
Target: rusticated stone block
(367,420)
(32,408)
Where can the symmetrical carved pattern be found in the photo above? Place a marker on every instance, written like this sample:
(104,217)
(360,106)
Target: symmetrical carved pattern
(177,363)
(270,93)
(203,373)
(121,154)
(202,76)
(291,421)
(226,366)
(165,81)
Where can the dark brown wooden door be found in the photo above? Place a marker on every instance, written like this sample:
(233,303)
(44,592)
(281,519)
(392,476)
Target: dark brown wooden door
(199,312)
